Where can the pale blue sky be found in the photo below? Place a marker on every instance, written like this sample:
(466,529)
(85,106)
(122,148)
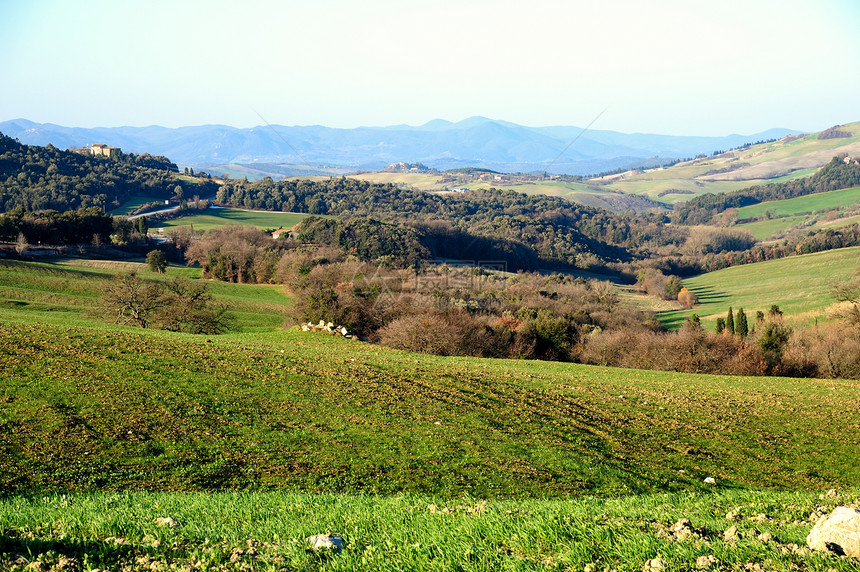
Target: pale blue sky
(683,67)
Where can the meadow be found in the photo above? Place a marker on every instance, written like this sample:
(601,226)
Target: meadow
(254,439)
(215,217)
(801,205)
(266,532)
(129,206)
(799,285)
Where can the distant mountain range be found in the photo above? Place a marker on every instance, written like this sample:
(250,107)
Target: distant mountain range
(473,142)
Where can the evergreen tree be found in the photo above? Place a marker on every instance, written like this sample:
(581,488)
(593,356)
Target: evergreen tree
(730,321)
(742,329)
(721,325)
(142,226)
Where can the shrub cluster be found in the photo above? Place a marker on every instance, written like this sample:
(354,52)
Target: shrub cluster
(454,310)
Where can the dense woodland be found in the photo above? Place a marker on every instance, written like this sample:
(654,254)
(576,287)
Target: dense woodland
(534,230)
(38,178)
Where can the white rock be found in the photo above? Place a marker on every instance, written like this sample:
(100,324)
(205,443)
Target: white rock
(710,481)
(328,541)
(838,532)
(655,564)
(344,332)
(166,521)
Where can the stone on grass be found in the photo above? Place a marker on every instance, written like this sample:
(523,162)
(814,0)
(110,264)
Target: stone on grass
(655,564)
(682,529)
(705,561)
(731,533)
(838,532)
(710,481)
(166,521)
(327,541)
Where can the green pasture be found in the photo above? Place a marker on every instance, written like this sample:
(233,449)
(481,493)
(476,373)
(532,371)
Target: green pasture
(216,217)
(130,205)
(764,229)
(266,531)
(66,291)
(255,439)
(799,285)
(801,205)
(94,406)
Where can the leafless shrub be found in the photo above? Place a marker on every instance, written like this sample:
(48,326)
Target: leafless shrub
(440,333)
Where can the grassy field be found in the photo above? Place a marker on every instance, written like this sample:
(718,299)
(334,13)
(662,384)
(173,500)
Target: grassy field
(773,229)
(66,291)
(800,285)
(307,429)
(87,405)
(802,205)
(266,532)
(216,217)
(129,206)
(763,230)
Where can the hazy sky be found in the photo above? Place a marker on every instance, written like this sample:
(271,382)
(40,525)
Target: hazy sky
(683,67)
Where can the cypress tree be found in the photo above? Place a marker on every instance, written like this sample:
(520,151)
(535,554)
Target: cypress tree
(721,325)
(730,321)
(742,329)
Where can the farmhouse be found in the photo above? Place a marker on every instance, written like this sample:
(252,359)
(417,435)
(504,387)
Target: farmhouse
(102,150)
(281,231)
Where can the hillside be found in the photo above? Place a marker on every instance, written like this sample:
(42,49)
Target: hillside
(37,178)
(799,285)
(86,405)
(787,158)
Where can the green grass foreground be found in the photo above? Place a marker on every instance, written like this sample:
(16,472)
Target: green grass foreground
(83,408)
(87,405)
(266,531)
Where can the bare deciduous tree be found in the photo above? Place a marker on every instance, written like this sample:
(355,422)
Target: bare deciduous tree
(132,300)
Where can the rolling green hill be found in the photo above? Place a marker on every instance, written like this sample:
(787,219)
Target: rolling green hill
(84,405)
(66,291)
(801,205)
(799,285)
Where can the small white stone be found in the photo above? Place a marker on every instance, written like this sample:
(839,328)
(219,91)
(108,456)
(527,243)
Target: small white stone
(710,481)
(328,541)
(166,521)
